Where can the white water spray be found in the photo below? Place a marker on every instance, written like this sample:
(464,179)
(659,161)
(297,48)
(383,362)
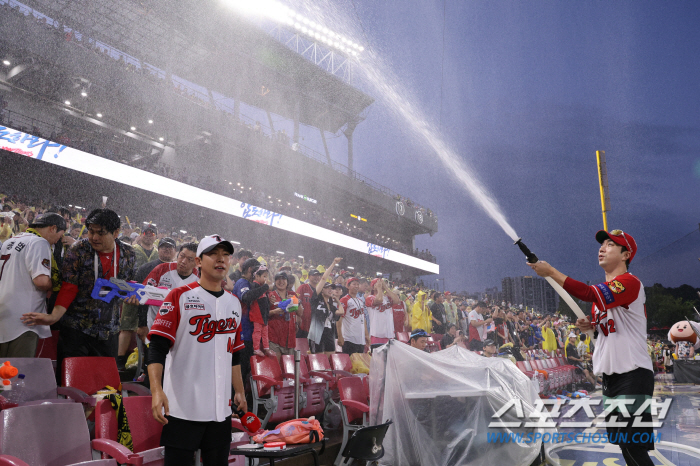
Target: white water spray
(455,165)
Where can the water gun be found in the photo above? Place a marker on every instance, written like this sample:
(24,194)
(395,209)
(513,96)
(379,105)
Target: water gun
(289,305)
(7,371)
(249,421)
(106,290)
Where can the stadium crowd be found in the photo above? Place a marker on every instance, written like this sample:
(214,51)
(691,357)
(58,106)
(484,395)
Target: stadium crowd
(339,310)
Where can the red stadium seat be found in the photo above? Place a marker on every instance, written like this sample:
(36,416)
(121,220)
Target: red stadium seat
(145,430)
(314,391)
(353,408)
(403,337)
(341,363)
(320,367)
(269,390)
(90,374)
(365,383)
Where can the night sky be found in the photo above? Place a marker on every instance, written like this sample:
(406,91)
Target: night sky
(530,91)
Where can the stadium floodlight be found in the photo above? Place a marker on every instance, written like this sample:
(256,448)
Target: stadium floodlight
(161,139)
(67,102)
(99,115)
(6,62)
(351,268)
(133,128)
(274,10)
(183,232)
(279,252)
(234,242)
(78,207)
(83,93)
(150,122)
(301,257)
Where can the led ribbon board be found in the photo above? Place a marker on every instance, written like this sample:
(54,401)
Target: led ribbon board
(74,159)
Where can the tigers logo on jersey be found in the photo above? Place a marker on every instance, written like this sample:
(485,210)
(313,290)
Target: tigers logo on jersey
(46,263)
(165,308)
(616,287)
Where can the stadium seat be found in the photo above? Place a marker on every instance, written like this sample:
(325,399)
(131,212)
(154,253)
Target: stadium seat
(90,374)
(145,430)
(403,337)
(354,409)
(527,370)
(314,392)
(437,336)
(40,382)
(365,383)
(302,345)
(433,346)
(320,367)
(341,364)
(53,434)
(365,445)
(269,390)
(575,376)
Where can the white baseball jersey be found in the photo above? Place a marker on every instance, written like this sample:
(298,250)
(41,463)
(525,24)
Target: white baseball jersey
(165,275)
(22,258)
(205,332)
(353,326)
(381,317)
(619,315)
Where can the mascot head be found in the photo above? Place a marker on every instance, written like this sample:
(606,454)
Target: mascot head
(682,331)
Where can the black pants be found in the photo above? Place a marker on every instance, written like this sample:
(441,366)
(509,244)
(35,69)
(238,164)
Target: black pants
(637,384)
(350,348)
(181,438)
(182,457)
(74,343)
(246,353)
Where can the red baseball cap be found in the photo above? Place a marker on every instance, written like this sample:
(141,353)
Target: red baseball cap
(618,237)
(374,282)
(350,280)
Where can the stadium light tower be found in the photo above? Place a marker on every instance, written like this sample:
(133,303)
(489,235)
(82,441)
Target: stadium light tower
(317,43)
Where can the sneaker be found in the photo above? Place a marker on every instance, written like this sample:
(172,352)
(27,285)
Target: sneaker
(258,353)
(269,352)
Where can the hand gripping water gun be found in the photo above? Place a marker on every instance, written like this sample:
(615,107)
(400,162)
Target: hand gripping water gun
(7,371)
(105,290)
(289,305)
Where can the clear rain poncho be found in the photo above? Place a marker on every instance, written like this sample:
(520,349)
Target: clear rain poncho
(442,403)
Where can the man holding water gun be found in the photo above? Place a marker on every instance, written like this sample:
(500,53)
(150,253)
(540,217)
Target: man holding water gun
(90,327)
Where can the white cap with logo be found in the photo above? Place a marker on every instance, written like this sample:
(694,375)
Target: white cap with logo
(208,243)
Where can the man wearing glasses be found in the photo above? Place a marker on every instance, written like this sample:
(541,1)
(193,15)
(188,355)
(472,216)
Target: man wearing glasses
(620,322)
(90,327)
(173,275)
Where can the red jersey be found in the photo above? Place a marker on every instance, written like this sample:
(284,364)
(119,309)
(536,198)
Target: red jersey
(282,332)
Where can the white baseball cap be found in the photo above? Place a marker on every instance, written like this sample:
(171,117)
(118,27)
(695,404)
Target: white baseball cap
(210,242)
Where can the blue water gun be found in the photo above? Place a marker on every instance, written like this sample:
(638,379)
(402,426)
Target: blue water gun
(289,305)
(106,290)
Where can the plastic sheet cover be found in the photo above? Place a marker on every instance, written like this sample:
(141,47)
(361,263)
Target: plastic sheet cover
(442,403)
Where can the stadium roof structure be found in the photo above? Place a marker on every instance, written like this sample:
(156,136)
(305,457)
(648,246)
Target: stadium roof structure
(207,43)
